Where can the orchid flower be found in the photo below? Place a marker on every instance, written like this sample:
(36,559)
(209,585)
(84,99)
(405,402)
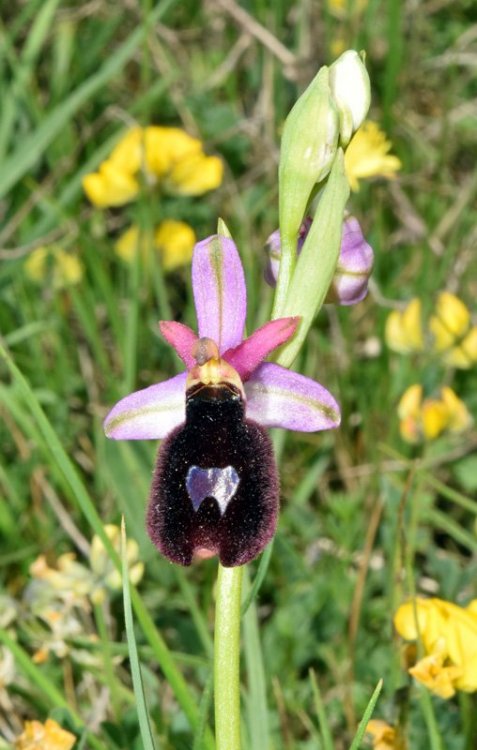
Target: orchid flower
(355,262)
(215,488)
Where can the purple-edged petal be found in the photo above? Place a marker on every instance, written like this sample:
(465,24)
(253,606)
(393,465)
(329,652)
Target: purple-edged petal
(149,414)
(219,289)
(246,357)
(355,263)
(182,338)
(277,397)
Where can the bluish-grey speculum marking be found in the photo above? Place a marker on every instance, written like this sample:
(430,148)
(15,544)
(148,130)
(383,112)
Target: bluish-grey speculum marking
(221,484)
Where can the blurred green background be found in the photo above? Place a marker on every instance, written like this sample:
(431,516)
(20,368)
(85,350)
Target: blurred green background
(366,519)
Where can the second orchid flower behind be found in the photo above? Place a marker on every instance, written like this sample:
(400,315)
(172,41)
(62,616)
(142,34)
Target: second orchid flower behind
(215,488)
(355,262)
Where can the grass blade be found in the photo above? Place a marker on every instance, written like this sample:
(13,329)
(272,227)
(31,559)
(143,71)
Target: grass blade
(32,147)
(143,716)
(366,717)
(326,736)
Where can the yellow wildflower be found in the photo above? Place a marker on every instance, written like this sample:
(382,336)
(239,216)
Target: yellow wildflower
(338,45)
(343,8)
(130,241)
(104,569)
(384,736)
(434,418)
(439,679)
(110,186)
(168,156)
(449,637)
(454,337)
(409,413)
(367,156)
(403,331)
(426,419)
(459,418)
(70,579)
(173,240)
(47,736)
(52,262)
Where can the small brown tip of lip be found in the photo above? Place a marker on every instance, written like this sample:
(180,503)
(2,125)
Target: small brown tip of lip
(203,553)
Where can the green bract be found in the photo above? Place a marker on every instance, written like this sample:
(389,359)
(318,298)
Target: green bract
(309,143)
(314,269)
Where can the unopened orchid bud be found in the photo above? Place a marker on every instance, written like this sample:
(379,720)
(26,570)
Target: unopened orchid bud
(351,91)
(355,262)
(273,249)
(309,143)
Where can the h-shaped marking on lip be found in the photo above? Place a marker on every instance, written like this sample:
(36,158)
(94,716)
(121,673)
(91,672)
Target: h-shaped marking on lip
(221,484)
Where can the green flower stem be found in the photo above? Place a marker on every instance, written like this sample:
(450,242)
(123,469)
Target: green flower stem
(227,658)
(285,273)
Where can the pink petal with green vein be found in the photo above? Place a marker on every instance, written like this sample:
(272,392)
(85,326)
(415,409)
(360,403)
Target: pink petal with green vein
(247,356)
(149,414)
(219,289)
(182,338)
(277,397)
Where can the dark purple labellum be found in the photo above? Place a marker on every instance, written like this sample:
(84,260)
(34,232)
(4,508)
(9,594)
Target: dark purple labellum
(215,486)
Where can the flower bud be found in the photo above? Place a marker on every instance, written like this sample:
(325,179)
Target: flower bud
(355,262)
(308,148)
(350,89)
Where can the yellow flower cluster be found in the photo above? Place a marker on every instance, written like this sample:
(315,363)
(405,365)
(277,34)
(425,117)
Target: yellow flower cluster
(428,418)
(454,339)
(51,262)
(166,157)
(73,581)
(368,156)
(58,595)
(448,634)
(47,736)
(173,240)
(155,154)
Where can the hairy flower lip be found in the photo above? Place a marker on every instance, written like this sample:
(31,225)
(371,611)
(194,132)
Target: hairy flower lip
(223,431)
